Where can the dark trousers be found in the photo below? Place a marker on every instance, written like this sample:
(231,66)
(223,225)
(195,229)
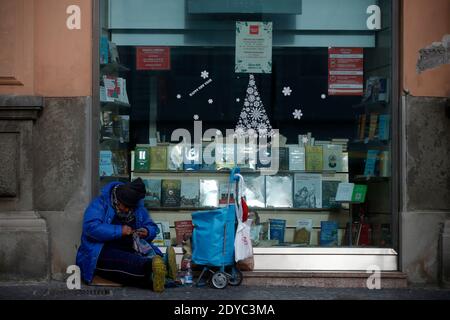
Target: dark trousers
(125,266)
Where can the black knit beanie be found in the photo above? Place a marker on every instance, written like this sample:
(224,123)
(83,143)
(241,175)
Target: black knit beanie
(130,193)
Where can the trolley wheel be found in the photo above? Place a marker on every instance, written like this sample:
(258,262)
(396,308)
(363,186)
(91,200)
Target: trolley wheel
(219,280)
(236,278)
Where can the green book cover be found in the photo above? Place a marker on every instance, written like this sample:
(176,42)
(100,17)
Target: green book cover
(170,193)
(141,158)
(359,193)
(314,158)
(158,158)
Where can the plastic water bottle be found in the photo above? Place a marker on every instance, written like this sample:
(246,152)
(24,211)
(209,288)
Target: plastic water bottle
(188,279)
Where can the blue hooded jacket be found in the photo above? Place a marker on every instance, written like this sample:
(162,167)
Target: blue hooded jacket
(97,229)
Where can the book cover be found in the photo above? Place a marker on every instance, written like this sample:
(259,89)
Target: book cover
(161,237)
(307,191)
(385,164)
(345,192)
(283,153)
(114,52)
(328,233)
(209,157)
(371,162)
(183,230)
(332,157)
(362,131)
(158,158)
(106,164)
(120,162)
(175,157)
(123,96)
(141,158)
(170,192)
(209,193)
(296,158)
(359,193)
(104,50)
(264,158)
(314,158)
(384,126)
(303,231)
(254,191)
(190,193)
(279,191)
(329,190)
(373,125)
(153,192)
(112,88)
(191,158)
(277,229)
(124,128)
(225,156)
(264,233)
(224,187)
(107,125)
(246,156)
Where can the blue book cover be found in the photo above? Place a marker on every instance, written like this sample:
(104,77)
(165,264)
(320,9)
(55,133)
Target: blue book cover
(191,159)
(277,228)
(328,233)
(384,125)
(104,50)
(105,163)
(371,161)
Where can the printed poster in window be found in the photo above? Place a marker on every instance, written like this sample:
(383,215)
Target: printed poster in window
(253,47)
(345,71)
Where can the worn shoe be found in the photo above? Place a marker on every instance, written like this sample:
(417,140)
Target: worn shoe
(171,263)
(158,273)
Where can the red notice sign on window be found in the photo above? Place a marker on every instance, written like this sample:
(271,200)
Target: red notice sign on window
(345,71)
(152,58)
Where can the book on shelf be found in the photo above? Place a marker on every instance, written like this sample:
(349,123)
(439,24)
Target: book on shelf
(314,158)
(115,89)
(332,157)
(246,156)
(384,126)
(277,229)
(224,187)
(104,50)
(373,123)
(344,161)
(190,193)
(107,124)
(162,238)
(283,154)
(328,233)
(362,124)
(175,157)
(141,158)
(254,191)
(170,192)
(303,230)
(183,230)
(158,157)
(209,157)
(329,190)
(106,167)
(307,191)
(370,168)
(191,158)
(114,52)
(350,192)
(264,233)
(385,164)
(296,158)
(120,162)
(377,90)
(264,158)
(279,191)
(225,156)
(153,192)
(209,193)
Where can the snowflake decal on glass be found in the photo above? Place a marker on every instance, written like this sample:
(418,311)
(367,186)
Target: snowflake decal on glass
(253,119)
(205,74)
(210,101)
(196,117)
(178,96)
(287,91)
(297,114)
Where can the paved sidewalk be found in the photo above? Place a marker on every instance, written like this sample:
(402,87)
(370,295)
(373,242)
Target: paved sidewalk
(58,291)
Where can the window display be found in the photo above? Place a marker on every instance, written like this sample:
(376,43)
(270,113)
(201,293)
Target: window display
(180,115)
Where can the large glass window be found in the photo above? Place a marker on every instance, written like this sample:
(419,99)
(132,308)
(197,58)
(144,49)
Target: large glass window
(312,79)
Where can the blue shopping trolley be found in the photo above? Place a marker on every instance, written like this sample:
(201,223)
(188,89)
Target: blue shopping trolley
(213,242)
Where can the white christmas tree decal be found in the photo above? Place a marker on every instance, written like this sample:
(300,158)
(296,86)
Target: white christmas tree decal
(253,115)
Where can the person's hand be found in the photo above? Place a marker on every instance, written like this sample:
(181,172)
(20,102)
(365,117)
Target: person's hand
(126,230)
(142,232)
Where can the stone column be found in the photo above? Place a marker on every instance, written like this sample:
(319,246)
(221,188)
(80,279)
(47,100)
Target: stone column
(24,249)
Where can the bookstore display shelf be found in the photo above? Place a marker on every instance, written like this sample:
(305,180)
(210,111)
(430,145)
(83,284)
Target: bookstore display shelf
(227,172)
(115,104)
(370,179)
(117,176)
(293,210)
(113,67)
(372,105)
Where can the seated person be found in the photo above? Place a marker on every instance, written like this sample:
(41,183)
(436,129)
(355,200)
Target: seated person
(107,247)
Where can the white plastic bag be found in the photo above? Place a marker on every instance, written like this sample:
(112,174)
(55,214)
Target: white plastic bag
(243,248)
